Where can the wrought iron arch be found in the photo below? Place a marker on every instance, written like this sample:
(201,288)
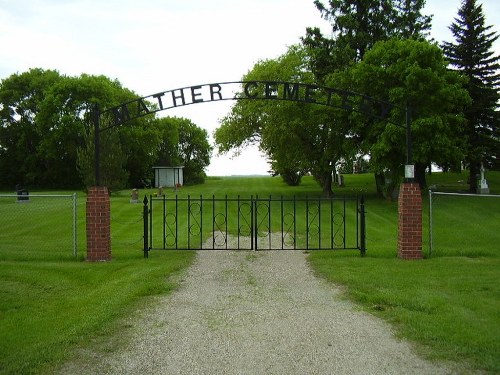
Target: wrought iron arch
(249,90)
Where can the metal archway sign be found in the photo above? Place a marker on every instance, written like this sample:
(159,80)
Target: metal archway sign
(248,90)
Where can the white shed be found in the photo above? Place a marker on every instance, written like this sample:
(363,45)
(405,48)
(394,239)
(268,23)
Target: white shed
(168,176)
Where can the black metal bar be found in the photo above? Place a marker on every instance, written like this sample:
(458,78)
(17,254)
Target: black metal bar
(345,224)
(226,222)
(165,222)
(96,118)
(189,221)
(409,146)
(319,223)
(282,229)
(358,212)
(307,223)
(251,222)
(358,227)
(269,229)
(201,221)
(238,221)
(332,233)
(294,223)
(176,221)
(363,226)
(150,221)
(213,222)
(254,223)
(409,151)
(145,213)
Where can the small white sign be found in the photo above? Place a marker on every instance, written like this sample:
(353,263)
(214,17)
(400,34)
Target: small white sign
(409,171)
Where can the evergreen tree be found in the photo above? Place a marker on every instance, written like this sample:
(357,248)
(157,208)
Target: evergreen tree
(409,22)
(472,54)
(358,25)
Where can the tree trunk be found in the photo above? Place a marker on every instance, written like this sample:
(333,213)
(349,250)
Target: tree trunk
(420,175)
(327,186)
(473,177)
(380,182)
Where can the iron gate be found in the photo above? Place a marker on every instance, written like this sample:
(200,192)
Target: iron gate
(254,223)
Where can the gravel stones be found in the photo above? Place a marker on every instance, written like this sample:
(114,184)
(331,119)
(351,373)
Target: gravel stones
(244,312)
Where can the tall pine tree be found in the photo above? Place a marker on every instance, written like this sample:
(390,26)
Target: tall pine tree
(358,25)
(472,54)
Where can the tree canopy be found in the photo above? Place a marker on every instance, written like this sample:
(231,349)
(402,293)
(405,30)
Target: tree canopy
(411,74)
(301,138)
(472,55)
(47,135)
(297,137)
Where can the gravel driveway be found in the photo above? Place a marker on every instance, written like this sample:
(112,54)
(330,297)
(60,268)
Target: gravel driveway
(242,312)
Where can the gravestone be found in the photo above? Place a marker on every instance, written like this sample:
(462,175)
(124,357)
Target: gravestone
(134,196)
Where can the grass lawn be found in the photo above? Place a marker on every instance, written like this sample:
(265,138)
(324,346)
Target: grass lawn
(52,302)
(47,308)
(449,306)
(446,304)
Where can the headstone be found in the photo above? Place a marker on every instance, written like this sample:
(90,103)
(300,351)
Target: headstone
(134,197)
(341,180)
(23,195)
(483,184)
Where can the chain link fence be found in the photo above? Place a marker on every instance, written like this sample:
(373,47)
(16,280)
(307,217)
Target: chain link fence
(38,226)
(464,224)
(126,226)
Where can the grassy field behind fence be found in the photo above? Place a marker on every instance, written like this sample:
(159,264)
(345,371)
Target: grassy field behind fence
(44,217)
(447,304)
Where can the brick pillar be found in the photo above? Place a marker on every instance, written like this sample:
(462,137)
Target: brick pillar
(98,224)
(410,221)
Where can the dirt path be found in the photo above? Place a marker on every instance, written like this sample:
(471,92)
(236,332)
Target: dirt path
(255,313)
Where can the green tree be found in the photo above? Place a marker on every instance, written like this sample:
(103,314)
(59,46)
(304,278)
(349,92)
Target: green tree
(413,73)
(139,142)
(167,152)
(183,143)
(21,132)
(65,115)
(472,54)
(113,173)
(409,22)
(46,120)
(85,92)
(194,151)
(356,27)
(297,137)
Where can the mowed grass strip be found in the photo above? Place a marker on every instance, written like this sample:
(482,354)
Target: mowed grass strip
(447,304)
(49,308)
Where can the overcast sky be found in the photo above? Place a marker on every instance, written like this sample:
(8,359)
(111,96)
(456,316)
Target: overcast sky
(157,45)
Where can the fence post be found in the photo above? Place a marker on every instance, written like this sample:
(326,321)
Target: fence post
(253,223)
(430,223)
(362,226)
(410,221)
(75,242)
(98,224)
(145,215)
